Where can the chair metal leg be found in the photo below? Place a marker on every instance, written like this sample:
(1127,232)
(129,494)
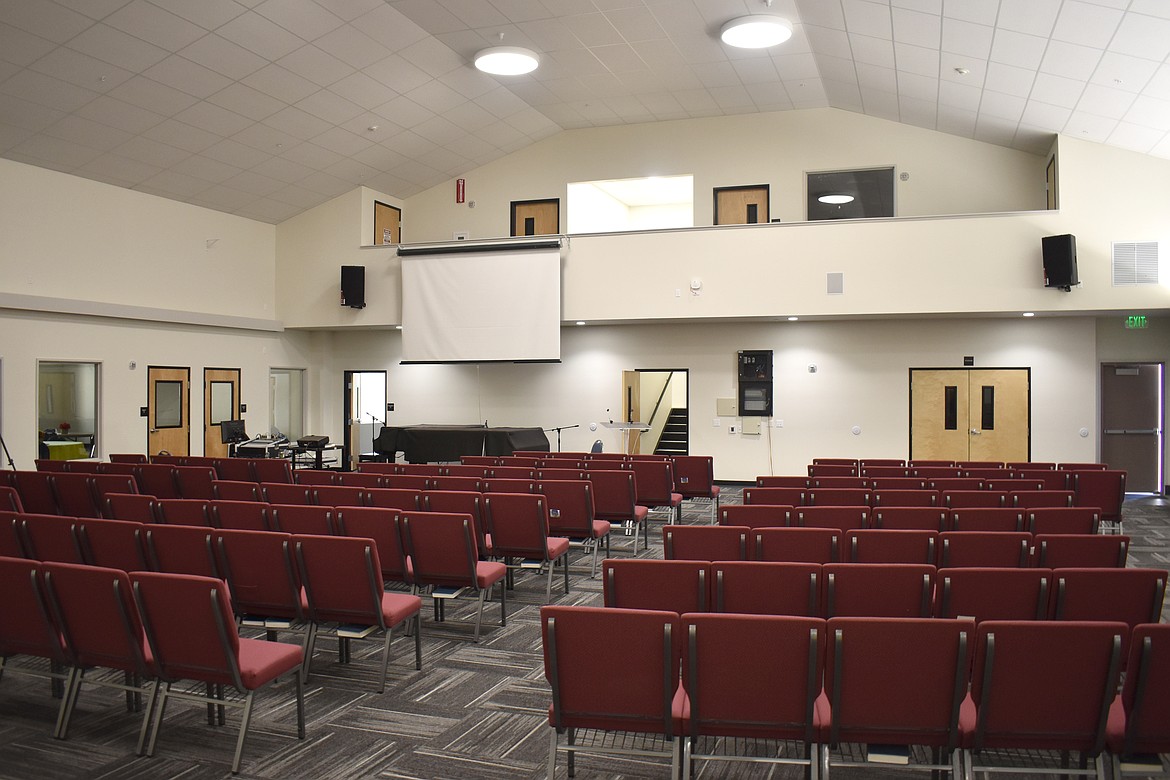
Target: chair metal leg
(300,707)
(686,759)
(479,612)
(548,582)
(310,643)
(503,607)
(418,640)
(385,662)
(72,688)
(243,732)
(151,701)
(158,716)
(552,754)
(565,564)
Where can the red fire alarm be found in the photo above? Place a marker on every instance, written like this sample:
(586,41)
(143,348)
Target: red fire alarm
(460,190)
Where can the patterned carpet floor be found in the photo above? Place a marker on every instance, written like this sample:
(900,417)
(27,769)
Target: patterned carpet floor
(474,711)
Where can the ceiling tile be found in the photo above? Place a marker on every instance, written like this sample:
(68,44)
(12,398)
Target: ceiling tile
(1001,106)
(1157,8)
(87,132)
(311,155)
(350,9)
(152,152)
(621,58)
(329,106)
(169,184)
(1009,79)
(187,76)
(880,79)
(917,59)
(150,94)
(117,48)
(917,29)
(303,18)
(1135,137)
(80,69)
(316,65)
(404,112)
(63,153)
(152,24)
(1123,72)
(214,119)
(260,36)
(430,15)
(1143,36)
(342,141)
(865,18)
(118,170)
(223,56)
(1149,112)
(1086,24)
(1090,127)
(967,38)
(47,20)
(872,51)
(1037,114)
(435,96)
(433,57)
(1019,49)
(978,11)
(1070,60)
(297,123)
(47,91)
(208,14)
(205,168)
(956,95)
(592,29)
(918,87)
(1104,101)
(246,101)
(636,24)
(184,136)
(20,47)
(352,46)
(1057,90)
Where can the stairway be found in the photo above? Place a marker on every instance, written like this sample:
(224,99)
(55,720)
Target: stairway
(674,439)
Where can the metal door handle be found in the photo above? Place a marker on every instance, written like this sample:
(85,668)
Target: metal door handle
(976,432)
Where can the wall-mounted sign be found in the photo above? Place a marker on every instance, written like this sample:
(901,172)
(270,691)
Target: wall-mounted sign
(1136,322)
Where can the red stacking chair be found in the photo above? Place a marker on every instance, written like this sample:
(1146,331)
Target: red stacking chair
(832,470)
(675,586)
(338,495)
(1133,596)
(444,557)
(156,479)
(180,549)
(406,499)
(1014,484)
(123,468)
(897,462)
(766,588)
(838,518)
(1040,498)
(134,507)
(128,457)
(1030,465)
(615,501)
(1082,466)
(462,469)
(1005,549)
(786,481)
(837,497)
(461,502)
(240,515)
(407,481)
(300,519)
(381,525)
(48,465)
(518,524)
(26,627)
(755,677)
(990,593)
(705,542)
(956,499)
(571,514)
(871,663)
(1061,551)
(1137,739)
(262,577)
(881,545)
(315,477)
(272,470)
(235,470)
(506,485)
(236,490)
(286,493)
(455,482)
(877,589)
(10,543)
(168,460)
(364,479)
(1102,488)
(922,518)
(885,497)
(183,511)
(36,492)
(797,545)
(834,461)
(195,481)
(694,477)
(93,608)
(1063,520)
(49,538)
(1041,685)
(74,495)
(987,519)
(115,544)
(342,577)
(955,483)
(1050,478)
(878,472)
(9,499)
(776,496)
(655,481)
(105,484)
(192,635)
(639,692)
(897,483)
(756,515)
(512,472)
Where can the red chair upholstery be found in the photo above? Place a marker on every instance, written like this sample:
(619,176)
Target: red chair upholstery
(615,501)
(768,480)
(837,497)
(1050,478)
(1014,484)
(775,496)
(116,544)
(1033,465)
(572,514)
(240,515)
(192,634)
(694,477)
(655,483)
(1063,520)
(460,502)
(128,457)
(342,577)
(195,481)
(444,557)
(518,524)
(302,519)
(381,525)
(36,492)
(26,627)
(933,472)
(286,493)
(406,499)
(1133,596)
(987,519)
(1137,739)
(406,481)
(74,495)
(1041,685)
(125,469)
(706,543)
(897,462)
(985,548)
(838,518)
(756,515)
(674,586)
(236,490)
(462,469)
(955,499)
(878,471)
(639,691)
(870,666)
(897,483)
(49,538)
(1082,466)
(362,479)
(511,472)
(1040,498)
(1102,488)
(993,593)
(180,549)
(93,607)
(169,460)
(235,470)
(272,470)
(103,485)
(797,545)
(10,499)
(955,483)
(315,477)
(455,482)
(883,545)
(338,495)
(923,518)
(156,479)
(134,507)
(766,588)
(832,470)
(852,462)
(47,465)
(263,581)
(877,589)
(1059,551)
(928,498)
(755,677)
(183,511)
(10,544)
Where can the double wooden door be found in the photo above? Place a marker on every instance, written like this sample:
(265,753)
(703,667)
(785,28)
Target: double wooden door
(970,414)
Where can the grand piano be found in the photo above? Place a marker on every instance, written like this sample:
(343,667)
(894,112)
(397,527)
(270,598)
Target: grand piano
(446,443)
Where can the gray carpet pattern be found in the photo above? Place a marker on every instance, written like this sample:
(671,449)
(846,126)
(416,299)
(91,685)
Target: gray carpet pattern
(474,711)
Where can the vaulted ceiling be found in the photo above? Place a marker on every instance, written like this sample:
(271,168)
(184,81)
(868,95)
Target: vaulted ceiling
(265,108)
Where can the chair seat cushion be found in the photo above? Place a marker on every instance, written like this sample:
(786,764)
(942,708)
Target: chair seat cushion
(640,513)
(397,607)
(262,661)
(557,546)
(488,573)
(600,528)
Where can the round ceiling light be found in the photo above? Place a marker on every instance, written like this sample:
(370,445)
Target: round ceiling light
(758,31)
(507,60)
(835,198)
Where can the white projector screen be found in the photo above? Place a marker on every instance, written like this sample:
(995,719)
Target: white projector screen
(480,307)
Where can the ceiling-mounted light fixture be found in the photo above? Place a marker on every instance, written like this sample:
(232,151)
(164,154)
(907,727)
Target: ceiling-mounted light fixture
(507,60)
(835,198)
(757,31)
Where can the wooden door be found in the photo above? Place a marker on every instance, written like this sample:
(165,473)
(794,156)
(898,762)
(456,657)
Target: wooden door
(221,401)
(536,217)
(631,408)
(1131,423)
(168,410)
(741,205)
(387,224)
(970,414)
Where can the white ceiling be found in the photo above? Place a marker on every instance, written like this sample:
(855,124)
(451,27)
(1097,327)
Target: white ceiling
(265,108)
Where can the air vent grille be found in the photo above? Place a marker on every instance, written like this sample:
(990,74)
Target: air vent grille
(1135,262)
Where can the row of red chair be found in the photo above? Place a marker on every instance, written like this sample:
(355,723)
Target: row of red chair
(1031,480)
(962,690)
(246,469)
(985,464)
(1037,520)
(880,545)
(945,498)
(1131,596)
(157,628)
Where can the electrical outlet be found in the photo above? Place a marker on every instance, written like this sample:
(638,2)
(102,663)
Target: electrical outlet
(778,423)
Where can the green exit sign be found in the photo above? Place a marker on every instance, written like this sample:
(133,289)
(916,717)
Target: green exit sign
(1136,322)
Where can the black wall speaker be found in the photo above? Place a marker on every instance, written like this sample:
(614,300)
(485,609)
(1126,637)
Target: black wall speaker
(1060,261)
(353,286)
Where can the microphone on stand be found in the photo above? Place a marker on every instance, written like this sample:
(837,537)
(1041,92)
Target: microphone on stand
(375,419)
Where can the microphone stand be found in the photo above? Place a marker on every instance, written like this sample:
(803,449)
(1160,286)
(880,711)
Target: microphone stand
(558,430)
(7,454)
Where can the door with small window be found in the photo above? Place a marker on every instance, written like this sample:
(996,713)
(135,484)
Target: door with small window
(970,414)
(168,410)
(221,401)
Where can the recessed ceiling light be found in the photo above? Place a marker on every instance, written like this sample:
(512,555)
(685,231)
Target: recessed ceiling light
(507,60)
(580,322)
(397,327)
(1029,314)
(835,198)
(757,31)
(793,319)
